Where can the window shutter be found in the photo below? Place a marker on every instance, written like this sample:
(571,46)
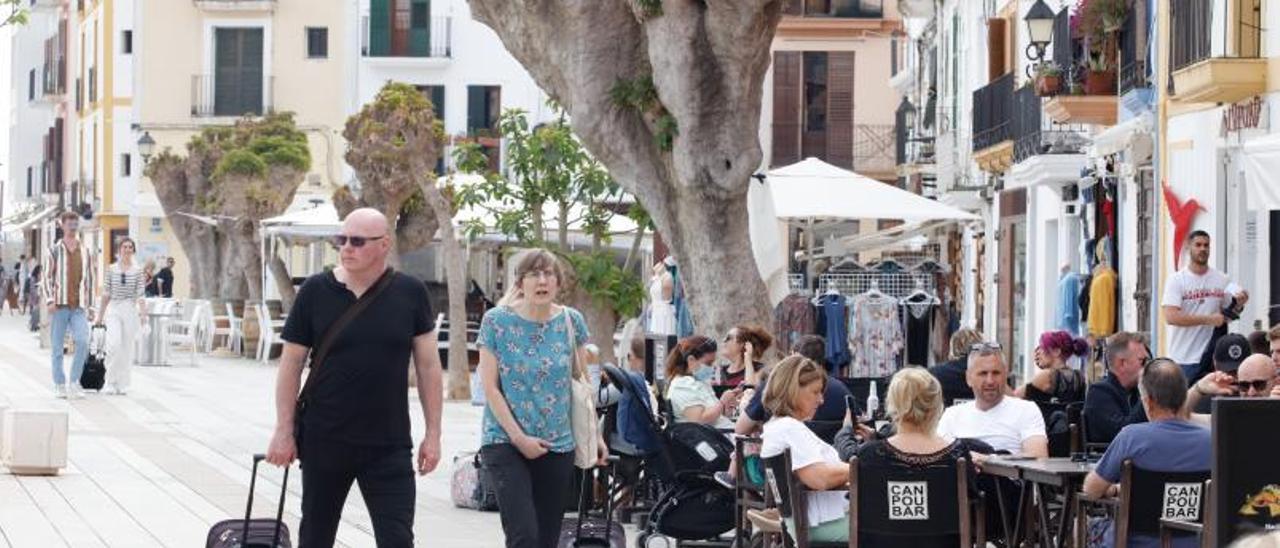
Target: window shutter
(787,67)
(379,27)
(995,48)
(251,71)
(226,73)
(840,108)
(420,30)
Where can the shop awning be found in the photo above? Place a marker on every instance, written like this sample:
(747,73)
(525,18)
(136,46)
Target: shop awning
(18,223)
(1262,172)
(813,189)
(1134,132)
(320,221)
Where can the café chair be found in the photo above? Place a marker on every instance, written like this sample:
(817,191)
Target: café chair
(1202,529)
(789,495)
(749,486)
(1139,507)
(953,518)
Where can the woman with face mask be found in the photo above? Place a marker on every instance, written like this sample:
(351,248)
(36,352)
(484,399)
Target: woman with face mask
(689,371)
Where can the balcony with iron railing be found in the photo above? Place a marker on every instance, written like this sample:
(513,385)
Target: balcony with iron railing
(1037,135)
(1077,94)
(1134,37)
(992,124)
(54,79)
(250,96)
(433,41)
(1216,47)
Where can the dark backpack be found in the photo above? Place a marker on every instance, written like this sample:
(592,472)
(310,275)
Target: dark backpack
(696,507)
(698,447)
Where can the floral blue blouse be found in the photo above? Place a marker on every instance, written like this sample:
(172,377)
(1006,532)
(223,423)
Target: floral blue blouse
(534,365)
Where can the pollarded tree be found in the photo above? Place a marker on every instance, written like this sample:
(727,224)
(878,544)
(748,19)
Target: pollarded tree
(231,178)
(667,94)
(393,144)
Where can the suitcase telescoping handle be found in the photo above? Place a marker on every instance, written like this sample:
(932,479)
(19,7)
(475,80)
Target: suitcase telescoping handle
(248,511)
(609,468)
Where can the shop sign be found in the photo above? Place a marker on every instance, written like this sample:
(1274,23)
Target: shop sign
(1244,115)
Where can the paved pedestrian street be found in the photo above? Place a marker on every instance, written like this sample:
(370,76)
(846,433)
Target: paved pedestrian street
(160,466)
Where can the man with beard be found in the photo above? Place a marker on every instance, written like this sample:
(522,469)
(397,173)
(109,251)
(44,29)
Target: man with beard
(1006,423)
(1195,301)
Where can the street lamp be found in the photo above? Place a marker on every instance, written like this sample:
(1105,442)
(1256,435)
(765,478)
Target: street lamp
(146,146)
(1039,21)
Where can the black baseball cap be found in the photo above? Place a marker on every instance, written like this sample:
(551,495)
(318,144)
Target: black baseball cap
(1231,349)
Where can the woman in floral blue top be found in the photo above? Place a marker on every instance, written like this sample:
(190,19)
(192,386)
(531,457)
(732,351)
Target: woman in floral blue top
(525,369)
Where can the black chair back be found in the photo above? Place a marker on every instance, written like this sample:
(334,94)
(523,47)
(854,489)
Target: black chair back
(1146,497)
(919,506)
(787,495)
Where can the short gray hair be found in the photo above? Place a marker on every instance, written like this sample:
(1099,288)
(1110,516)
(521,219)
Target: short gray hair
(1118,344)
(985,352)
(1164,382)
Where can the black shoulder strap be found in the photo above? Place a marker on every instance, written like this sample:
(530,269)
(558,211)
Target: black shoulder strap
(348,315)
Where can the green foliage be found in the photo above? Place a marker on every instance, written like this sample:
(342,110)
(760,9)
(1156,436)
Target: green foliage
(607,283)
(240,162)
(641,96)
(17,15)
(652,8)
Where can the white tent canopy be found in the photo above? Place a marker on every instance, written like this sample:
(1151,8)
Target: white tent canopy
(814,189)
(320,221)
(1262,172)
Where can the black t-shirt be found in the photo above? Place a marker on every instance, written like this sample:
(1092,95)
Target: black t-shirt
(364,400)
(951,375)
(164,280)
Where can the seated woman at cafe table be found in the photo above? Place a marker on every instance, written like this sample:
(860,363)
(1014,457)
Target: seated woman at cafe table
(689,368)
(793,395)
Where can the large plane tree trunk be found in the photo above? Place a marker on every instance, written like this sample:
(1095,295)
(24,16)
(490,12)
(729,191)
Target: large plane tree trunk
(669,100)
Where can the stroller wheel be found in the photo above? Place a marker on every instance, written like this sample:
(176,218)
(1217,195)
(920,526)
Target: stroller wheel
(651,540)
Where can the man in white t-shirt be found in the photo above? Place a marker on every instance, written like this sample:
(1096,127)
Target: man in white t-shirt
(1193,302)
(1004,422)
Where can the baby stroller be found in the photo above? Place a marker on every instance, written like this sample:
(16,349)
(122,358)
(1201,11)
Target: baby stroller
(677,463)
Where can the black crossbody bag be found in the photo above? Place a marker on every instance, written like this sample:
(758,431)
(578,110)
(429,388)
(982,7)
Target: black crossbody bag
(326,343)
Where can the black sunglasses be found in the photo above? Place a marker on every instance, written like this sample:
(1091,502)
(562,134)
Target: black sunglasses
(355,241)
(1244,386)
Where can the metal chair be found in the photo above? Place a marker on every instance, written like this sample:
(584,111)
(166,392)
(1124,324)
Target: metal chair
(268,332)
(791,499)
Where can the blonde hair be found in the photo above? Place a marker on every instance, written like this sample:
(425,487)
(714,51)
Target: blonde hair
(962,340)
(915,398)
(528,261)
(787,379)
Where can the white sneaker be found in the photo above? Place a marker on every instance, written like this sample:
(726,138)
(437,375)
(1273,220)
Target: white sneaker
(60,391)
(109,390)
(75,393)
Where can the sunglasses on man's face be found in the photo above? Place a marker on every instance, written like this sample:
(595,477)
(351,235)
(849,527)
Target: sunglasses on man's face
(355,241)
(1257,386)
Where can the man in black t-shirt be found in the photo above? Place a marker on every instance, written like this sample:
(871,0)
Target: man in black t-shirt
(356,425)
(164,280)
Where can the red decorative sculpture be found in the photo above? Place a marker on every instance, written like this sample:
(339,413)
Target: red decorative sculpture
(1181,213)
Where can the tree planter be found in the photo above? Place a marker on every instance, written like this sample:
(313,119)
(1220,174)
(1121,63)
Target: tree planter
(1100,82)
(1048,85)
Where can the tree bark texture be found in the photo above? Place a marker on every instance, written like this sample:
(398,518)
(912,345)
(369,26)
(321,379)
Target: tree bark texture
(707,60)
(458,385)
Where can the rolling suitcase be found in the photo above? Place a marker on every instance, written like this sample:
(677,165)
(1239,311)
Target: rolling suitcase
(94,375)
(587,531)
(249,532)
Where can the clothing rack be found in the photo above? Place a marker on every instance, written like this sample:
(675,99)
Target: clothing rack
(795,282)
(894,284)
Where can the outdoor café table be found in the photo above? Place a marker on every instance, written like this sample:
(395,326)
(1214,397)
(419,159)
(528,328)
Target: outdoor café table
(153,350)
(1036,475)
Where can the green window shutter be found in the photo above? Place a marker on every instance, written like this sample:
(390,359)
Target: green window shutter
(379,27)
(420,29)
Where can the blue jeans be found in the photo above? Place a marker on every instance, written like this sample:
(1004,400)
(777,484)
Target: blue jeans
(64,318)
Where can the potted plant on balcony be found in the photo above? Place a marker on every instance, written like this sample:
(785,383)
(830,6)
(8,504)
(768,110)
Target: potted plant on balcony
(1098,22)
(1048,79)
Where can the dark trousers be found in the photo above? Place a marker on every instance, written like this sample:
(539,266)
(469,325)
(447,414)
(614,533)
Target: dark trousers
(385,477)
(531,493)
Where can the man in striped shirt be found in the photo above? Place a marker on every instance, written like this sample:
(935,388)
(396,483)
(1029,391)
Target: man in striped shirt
(68,285)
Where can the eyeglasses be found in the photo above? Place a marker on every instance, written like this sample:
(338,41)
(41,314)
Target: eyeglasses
(355,241)
(983,347)
(1244,386)
(545,274)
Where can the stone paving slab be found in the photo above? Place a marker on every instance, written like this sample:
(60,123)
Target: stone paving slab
(160,466)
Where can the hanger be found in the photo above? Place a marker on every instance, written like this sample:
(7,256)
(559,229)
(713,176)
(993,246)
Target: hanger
(919,291)
(874,290)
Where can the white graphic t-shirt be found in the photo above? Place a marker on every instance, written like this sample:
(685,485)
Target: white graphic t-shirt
(1199,295)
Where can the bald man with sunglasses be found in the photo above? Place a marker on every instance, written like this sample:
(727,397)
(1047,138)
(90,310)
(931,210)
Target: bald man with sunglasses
(353,424)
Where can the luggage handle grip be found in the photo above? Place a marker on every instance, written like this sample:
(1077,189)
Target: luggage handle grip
(248,511)
(609,467)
